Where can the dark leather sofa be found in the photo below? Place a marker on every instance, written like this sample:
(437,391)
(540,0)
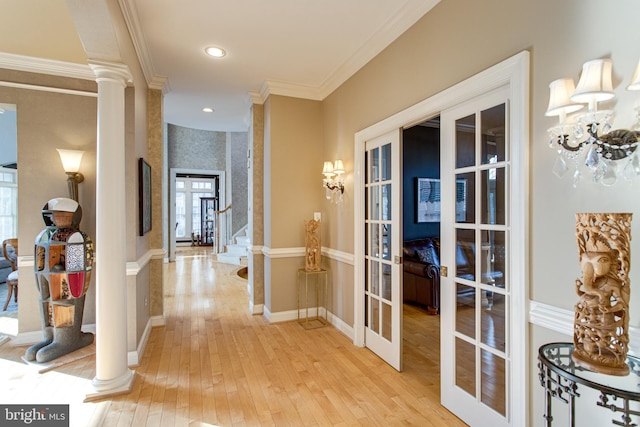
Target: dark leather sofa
(421,273)
(421,270)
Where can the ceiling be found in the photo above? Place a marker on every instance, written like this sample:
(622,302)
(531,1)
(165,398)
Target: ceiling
(298,48)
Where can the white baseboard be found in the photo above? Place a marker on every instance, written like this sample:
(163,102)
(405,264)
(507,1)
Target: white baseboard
(256,309)
(157,321)
(134,357)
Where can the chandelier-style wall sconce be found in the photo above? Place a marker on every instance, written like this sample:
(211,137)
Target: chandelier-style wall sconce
(609,153)
(71,163)
(333,182)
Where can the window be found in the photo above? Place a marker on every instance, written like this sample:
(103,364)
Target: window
(8,203)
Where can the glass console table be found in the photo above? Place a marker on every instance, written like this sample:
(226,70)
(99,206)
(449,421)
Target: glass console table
(560,376)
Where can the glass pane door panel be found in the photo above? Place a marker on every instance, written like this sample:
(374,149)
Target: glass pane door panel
(367,269)
(466,141)
(493,321)
(375,278)
(466,197)
(493,390)
(386,320)
(465,310)
(493,134)
(386,282)
(492,258)
(493,196)
(465,254)
(367,240)
(386,202)
(386,162)
(375,315)
(375,240)
(374,172)
(386,242)
(465,366)
(366,311)
(375,202)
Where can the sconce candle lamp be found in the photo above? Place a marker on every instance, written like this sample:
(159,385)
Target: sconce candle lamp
(333,182)
(71,163)
(591,132)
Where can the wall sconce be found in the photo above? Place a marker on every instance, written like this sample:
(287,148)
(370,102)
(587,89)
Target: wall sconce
(333,183)
(591,131)
(71,163)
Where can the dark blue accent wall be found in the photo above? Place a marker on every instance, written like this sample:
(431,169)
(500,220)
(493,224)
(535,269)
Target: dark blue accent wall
(420,159)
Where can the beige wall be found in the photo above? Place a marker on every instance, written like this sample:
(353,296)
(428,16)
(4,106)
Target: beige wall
(293,166)
(461,38)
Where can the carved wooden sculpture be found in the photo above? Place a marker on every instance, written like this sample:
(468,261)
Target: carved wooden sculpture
(601,325)
(312,245)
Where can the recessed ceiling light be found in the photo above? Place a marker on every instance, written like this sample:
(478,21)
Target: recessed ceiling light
(207,110)
(216,52)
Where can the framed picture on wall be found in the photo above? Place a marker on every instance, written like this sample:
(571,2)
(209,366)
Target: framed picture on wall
(427,200)
(144,183)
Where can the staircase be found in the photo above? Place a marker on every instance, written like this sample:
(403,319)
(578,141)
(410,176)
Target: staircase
(236,253)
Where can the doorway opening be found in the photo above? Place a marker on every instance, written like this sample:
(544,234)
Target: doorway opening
(8,214)
(421,242)
(188,190)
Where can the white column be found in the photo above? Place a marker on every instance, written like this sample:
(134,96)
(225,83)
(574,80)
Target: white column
(113,375)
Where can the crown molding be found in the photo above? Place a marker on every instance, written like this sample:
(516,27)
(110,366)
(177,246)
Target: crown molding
(52,67)
(395,26)
(154,81)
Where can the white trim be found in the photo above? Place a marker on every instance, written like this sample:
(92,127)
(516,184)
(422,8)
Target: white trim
(134,267)
(157,320)
(51,67)
(283,252)
(130,14)
(513,72)
(339,256)
(134,357)
(49,89)
(256,309)
(291,315)
(550,317)
(561,320)
(297,252)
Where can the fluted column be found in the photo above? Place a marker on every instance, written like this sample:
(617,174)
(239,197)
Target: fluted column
(113,375)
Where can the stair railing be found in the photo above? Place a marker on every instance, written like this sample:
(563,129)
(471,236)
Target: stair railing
(222,229)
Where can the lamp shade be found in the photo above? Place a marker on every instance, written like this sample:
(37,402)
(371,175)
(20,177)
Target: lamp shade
(327,170)
(70,159)
(635,81)
(595,82)
(338,167)
(560,92)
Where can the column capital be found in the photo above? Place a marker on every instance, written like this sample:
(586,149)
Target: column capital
(111,71)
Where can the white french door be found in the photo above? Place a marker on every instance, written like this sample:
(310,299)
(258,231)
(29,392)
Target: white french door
(475,249)
(382,262)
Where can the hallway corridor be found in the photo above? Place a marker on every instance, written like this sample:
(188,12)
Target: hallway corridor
(213,364)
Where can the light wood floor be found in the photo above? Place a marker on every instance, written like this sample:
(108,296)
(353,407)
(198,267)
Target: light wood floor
(213,364)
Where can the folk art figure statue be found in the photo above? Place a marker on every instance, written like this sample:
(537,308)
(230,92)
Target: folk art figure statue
(601,324)
(64,261)
(313,249)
